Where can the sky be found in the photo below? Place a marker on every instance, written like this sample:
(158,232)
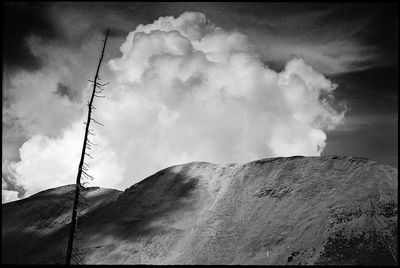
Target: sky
(217,82)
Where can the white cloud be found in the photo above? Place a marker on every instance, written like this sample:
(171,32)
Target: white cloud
(185,90)
(51,162)
(36,105)
(7,195)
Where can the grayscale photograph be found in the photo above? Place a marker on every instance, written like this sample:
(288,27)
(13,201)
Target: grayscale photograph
(200,133)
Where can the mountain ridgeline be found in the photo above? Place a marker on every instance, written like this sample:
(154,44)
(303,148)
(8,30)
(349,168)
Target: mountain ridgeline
(295,210)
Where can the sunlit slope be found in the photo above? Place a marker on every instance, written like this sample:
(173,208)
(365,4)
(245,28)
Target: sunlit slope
(308,210)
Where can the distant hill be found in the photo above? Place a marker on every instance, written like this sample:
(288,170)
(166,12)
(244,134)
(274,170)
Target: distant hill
(295,210)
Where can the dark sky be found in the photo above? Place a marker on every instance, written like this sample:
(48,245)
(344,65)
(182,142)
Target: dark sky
(353,45)
(20,20)
(373,26)
(371,127)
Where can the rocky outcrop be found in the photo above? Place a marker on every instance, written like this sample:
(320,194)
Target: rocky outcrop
(296,210)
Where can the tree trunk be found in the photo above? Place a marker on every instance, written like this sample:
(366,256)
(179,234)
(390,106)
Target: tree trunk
(78,177)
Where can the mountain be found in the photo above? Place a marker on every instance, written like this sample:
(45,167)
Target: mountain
(295,210)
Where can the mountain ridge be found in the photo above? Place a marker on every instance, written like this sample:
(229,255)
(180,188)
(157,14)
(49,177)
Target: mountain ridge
(295,210)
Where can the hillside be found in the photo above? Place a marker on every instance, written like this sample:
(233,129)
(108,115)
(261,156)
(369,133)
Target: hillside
(296,210)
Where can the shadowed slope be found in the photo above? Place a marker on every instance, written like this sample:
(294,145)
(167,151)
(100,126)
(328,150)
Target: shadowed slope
(32,228)
(308,210)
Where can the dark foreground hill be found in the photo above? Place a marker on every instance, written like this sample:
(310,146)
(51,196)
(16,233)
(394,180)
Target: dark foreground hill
(296,210)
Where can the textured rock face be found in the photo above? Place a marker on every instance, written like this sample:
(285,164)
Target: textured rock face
(296,210)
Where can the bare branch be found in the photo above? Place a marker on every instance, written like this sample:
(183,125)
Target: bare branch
(83,197)
(83,189)
(86,164)
(97,122)
(83,183)
(84,168)
(84,173)
(91,142)
(91,106)
(97,83)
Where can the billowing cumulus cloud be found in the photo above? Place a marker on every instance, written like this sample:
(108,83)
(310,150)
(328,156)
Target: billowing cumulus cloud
(51,162)
(185,90)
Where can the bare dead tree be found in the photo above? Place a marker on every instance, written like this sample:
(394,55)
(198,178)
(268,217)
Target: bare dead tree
(83,167)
